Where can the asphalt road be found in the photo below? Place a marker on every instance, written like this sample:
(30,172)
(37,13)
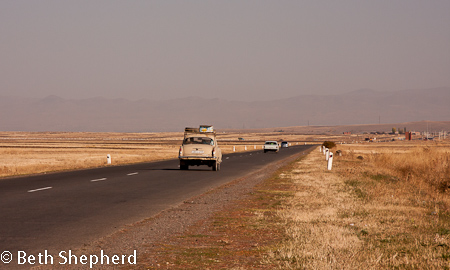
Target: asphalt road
(63,211)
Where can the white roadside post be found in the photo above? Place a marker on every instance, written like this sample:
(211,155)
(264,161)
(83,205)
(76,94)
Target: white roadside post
(330,161)
(245,148)
(327,154)
(324,148)
(108,159)
(320,149)
(234,148)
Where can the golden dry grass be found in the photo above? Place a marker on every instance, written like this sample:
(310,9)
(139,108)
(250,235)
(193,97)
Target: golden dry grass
(30,160)
(389,210)
(418,162)
(29,153)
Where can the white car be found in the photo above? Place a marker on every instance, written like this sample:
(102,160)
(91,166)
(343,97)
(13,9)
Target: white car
(271,146)
(284,144)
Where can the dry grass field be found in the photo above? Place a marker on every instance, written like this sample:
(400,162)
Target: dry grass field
(30,153)
(384,206)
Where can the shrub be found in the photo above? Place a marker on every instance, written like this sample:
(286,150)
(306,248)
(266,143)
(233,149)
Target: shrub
(329,144)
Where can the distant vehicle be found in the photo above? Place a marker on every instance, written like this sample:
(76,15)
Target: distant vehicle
(200,148)
(284,144)
(271,146)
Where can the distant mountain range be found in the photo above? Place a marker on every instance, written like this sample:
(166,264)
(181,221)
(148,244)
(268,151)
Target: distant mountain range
(120,115)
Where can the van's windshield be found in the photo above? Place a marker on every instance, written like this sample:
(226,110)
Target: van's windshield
(198,140)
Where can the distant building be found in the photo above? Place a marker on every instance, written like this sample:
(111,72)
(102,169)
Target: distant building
(347,133)
(408,136)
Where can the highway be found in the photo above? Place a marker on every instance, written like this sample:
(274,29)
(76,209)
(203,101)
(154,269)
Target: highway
(62,211)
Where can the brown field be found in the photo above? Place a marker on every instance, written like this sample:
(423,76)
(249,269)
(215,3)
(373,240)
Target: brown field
(384,206)
(30,153)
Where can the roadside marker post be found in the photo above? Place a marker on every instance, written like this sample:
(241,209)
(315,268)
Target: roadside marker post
(234,148)
(330,161)
(327,154)
(108,159)
(320,149)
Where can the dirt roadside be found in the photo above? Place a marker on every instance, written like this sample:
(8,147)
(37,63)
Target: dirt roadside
(151,237)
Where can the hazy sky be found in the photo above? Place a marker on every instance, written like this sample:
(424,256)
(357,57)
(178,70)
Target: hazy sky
(227,49)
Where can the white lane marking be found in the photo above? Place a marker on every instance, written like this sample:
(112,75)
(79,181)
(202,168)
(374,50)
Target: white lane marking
(130,174)
(39,189)
(96,180)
